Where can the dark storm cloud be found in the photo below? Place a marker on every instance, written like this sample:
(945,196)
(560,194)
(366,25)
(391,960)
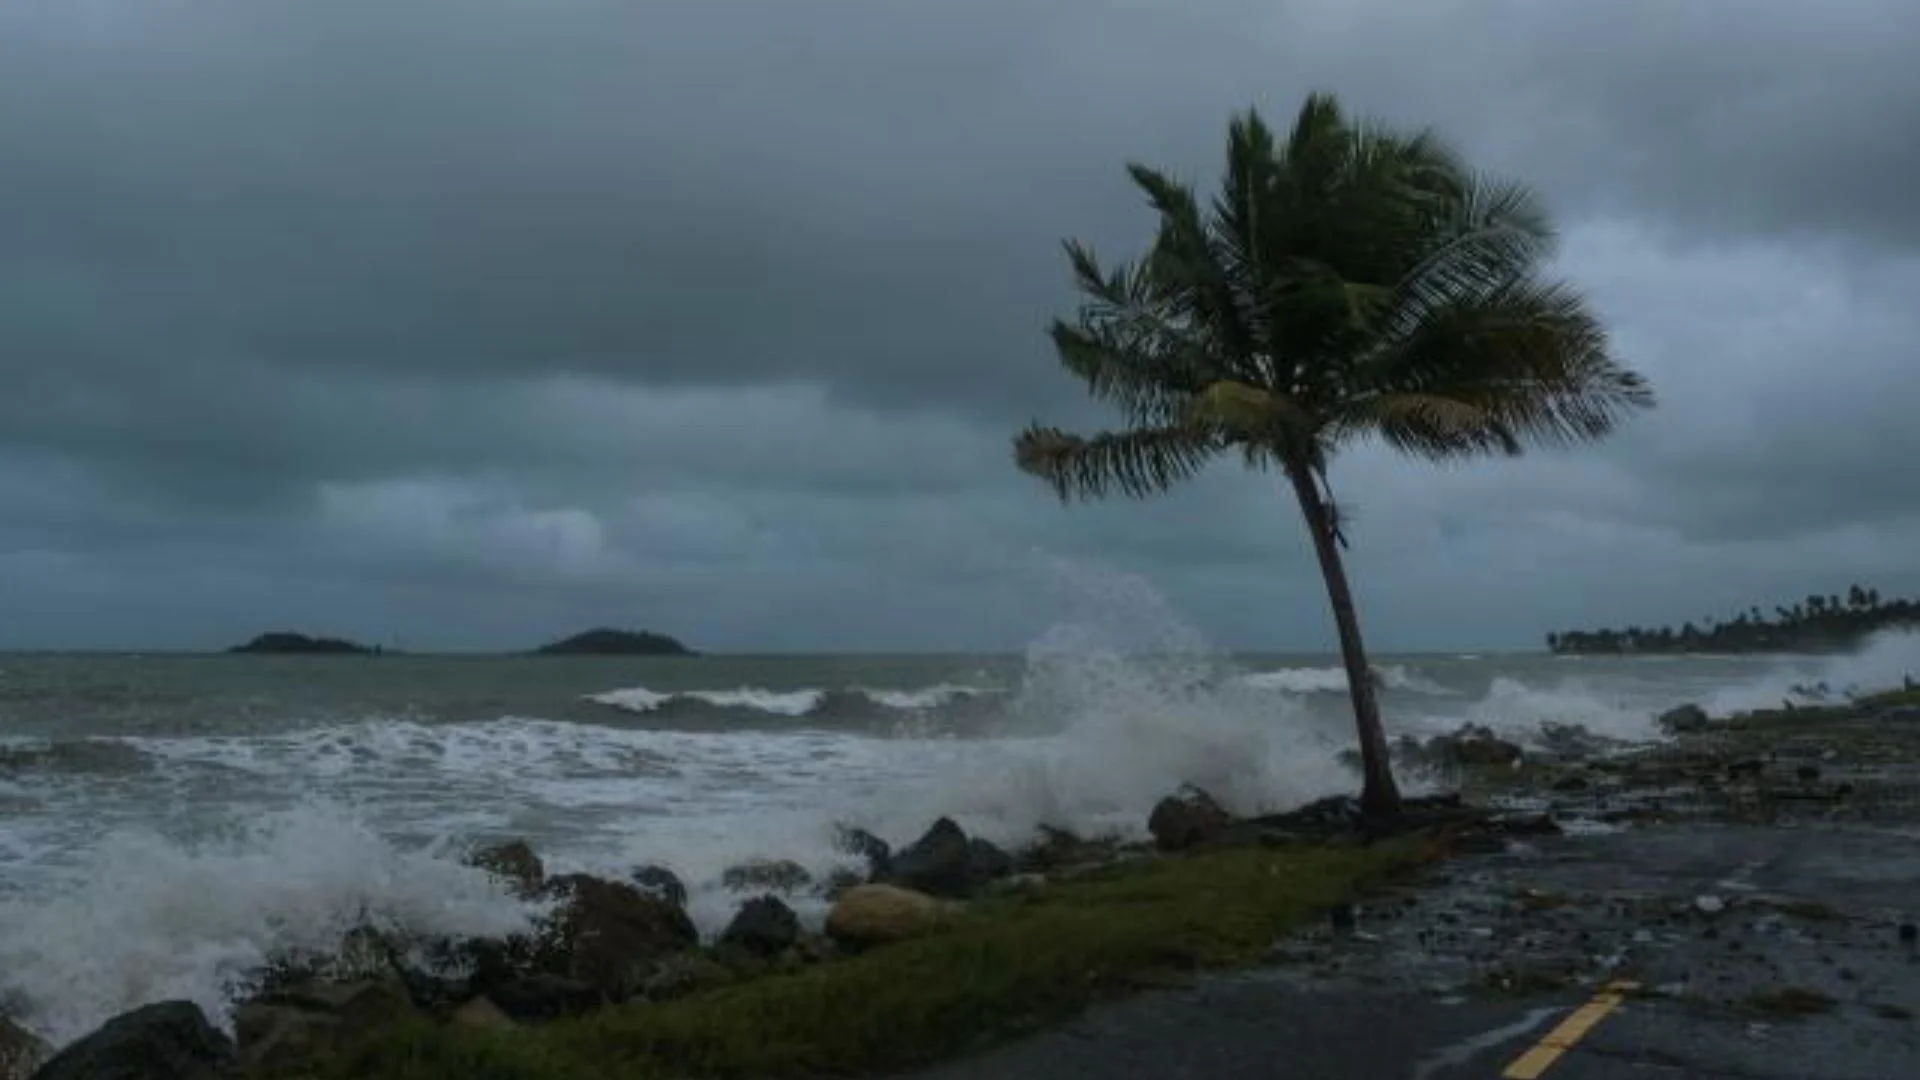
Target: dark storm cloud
(725,310)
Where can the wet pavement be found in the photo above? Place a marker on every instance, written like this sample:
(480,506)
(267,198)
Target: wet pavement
(1761,952)
(1758,888)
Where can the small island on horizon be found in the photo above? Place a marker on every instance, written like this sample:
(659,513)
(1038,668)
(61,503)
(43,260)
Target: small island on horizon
(1816,624)
(287,643)
(600,641)
(608,642)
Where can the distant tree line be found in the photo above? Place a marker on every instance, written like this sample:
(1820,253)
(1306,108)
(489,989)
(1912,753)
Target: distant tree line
(1815,624)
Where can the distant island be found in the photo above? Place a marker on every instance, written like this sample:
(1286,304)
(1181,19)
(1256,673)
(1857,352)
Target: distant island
(1815,624)
(283,643)
(604,642)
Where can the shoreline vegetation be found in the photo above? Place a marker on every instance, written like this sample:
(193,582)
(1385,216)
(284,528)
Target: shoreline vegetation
(1817,624)
(600,641)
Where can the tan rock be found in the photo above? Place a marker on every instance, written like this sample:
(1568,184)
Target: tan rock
(480,1014)
(878,914)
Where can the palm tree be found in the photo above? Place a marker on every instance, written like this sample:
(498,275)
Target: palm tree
(1347,281)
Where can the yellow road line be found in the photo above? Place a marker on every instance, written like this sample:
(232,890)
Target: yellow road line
(1530,1065)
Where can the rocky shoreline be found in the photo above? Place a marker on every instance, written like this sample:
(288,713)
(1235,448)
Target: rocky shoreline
(601,942)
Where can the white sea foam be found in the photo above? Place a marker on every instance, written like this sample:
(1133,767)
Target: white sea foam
(1333,680)
(1882,663)
(790,703)
(1516,709)
(147,918)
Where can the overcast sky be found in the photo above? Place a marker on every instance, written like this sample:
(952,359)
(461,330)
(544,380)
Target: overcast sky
(476,322)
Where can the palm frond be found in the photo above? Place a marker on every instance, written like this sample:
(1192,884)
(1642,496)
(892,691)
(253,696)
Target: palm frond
(1128,344)
(1192,274)
(1137,463)
(1430,425)
(1242,413)
(1528,357)
(1482,235)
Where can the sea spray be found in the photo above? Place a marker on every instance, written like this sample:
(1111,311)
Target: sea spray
(1122,702)
(1883,662)
(150,917)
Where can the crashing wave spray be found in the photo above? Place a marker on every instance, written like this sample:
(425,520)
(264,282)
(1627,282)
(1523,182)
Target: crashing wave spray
(1883,662)
(1122,702)
(151,920)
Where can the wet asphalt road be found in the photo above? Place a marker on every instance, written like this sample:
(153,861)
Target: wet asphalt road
(1462,975)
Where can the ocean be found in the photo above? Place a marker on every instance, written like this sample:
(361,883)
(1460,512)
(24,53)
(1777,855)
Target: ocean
(169,822)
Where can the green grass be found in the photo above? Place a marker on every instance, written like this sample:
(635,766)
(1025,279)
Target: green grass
(1892,698)
(1010,964)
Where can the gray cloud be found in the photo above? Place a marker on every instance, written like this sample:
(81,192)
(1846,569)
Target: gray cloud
(477,320)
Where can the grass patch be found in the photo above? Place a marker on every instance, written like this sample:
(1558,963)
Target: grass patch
(1892,698)
(1010,964)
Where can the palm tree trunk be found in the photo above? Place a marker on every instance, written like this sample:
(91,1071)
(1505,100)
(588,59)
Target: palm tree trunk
(1378,793)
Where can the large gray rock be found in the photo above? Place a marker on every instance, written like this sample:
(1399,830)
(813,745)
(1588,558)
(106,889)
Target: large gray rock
(661,882)
(768,875)
(764,926)
(859,842)
(513,863)
(947,862)
(1685,720)
(1187,819)
(167,1041)
(608,934)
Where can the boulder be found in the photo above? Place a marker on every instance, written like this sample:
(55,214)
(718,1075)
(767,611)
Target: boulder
(986,862)
(781,876)
(660,882)
(763,926)
(1685,720)
(484,962)
(879,914)
(21,1051)
(683,974)
(513,863)
(1474,745)
(305,1024)
(814,949)
(365,953)
(608,934)
(543,996)
(947,862)
(863,844)
(937,863)
(1058,849)
(167,1041)
(480,1014)
(1187,819)
(839,881)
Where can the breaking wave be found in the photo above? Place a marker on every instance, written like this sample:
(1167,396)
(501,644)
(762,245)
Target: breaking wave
(1333,680)
(819,704)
